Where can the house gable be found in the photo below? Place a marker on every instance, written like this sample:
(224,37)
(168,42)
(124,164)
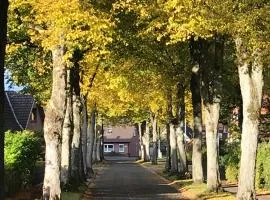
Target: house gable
(22,105)
(10,121)
(18,112)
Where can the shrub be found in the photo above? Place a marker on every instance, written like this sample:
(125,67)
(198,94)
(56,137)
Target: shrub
(262,166)
(22,150)
(232,173)
(230,159)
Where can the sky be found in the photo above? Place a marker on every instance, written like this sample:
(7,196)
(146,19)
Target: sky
(9,86)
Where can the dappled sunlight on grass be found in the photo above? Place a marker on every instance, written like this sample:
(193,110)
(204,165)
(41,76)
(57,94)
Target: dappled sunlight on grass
(139,161)
(263,192)
(217,196)
(193,189)
(186,187)
(199,191)
(175,182)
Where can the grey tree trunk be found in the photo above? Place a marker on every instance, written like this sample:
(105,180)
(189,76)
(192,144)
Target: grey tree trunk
(76,140)
(146,141)
(77,172)
(159,149)
(211,124)
(168,150)
(168,165)
(66,136)
(173,146)
(142,151)
(98,146)
(84,133)
(90,143)
(212,52)
(53,126)
(154,131)
(197,169)
(251,83)
(102,141)
(3,36)
(94,155)
(182,168)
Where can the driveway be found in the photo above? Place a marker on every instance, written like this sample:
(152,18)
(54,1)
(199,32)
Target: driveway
(127,180)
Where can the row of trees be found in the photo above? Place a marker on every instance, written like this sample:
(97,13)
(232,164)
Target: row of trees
(140,61)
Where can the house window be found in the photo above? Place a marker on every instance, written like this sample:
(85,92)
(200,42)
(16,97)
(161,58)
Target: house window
(121,148)
(108,147)
(34,115)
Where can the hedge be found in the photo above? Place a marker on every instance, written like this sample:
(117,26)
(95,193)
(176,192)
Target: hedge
(22,150)
(230,159)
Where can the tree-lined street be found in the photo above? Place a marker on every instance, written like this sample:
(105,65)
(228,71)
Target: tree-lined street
(161,67)
(123,180)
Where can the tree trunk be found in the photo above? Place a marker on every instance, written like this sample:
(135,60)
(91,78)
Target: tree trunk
(211,124)
(84,133)
(76,153)
(251,83)
(173,145)
(169,130)
(182,169)
(90,143)
(94,155)
(66,136)
(146,139)
(168,150)
(197,169)
(159,149)
(98,146)
(154,128)
(102,142)
(53,126)
(211,63)
(141,141)
(76,140)
(3,35)
(180,128)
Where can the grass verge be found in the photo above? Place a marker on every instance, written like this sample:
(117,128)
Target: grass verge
(186,187)
(74,192)
(71,196)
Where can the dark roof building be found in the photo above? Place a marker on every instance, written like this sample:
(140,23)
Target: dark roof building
(121,140)
(22,112)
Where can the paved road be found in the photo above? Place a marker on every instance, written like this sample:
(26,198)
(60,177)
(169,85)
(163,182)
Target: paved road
(128,180)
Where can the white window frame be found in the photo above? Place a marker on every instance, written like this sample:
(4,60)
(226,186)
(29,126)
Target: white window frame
(106,149)
(121,149)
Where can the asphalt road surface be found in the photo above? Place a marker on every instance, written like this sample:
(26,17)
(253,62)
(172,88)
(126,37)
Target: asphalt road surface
(128,180)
